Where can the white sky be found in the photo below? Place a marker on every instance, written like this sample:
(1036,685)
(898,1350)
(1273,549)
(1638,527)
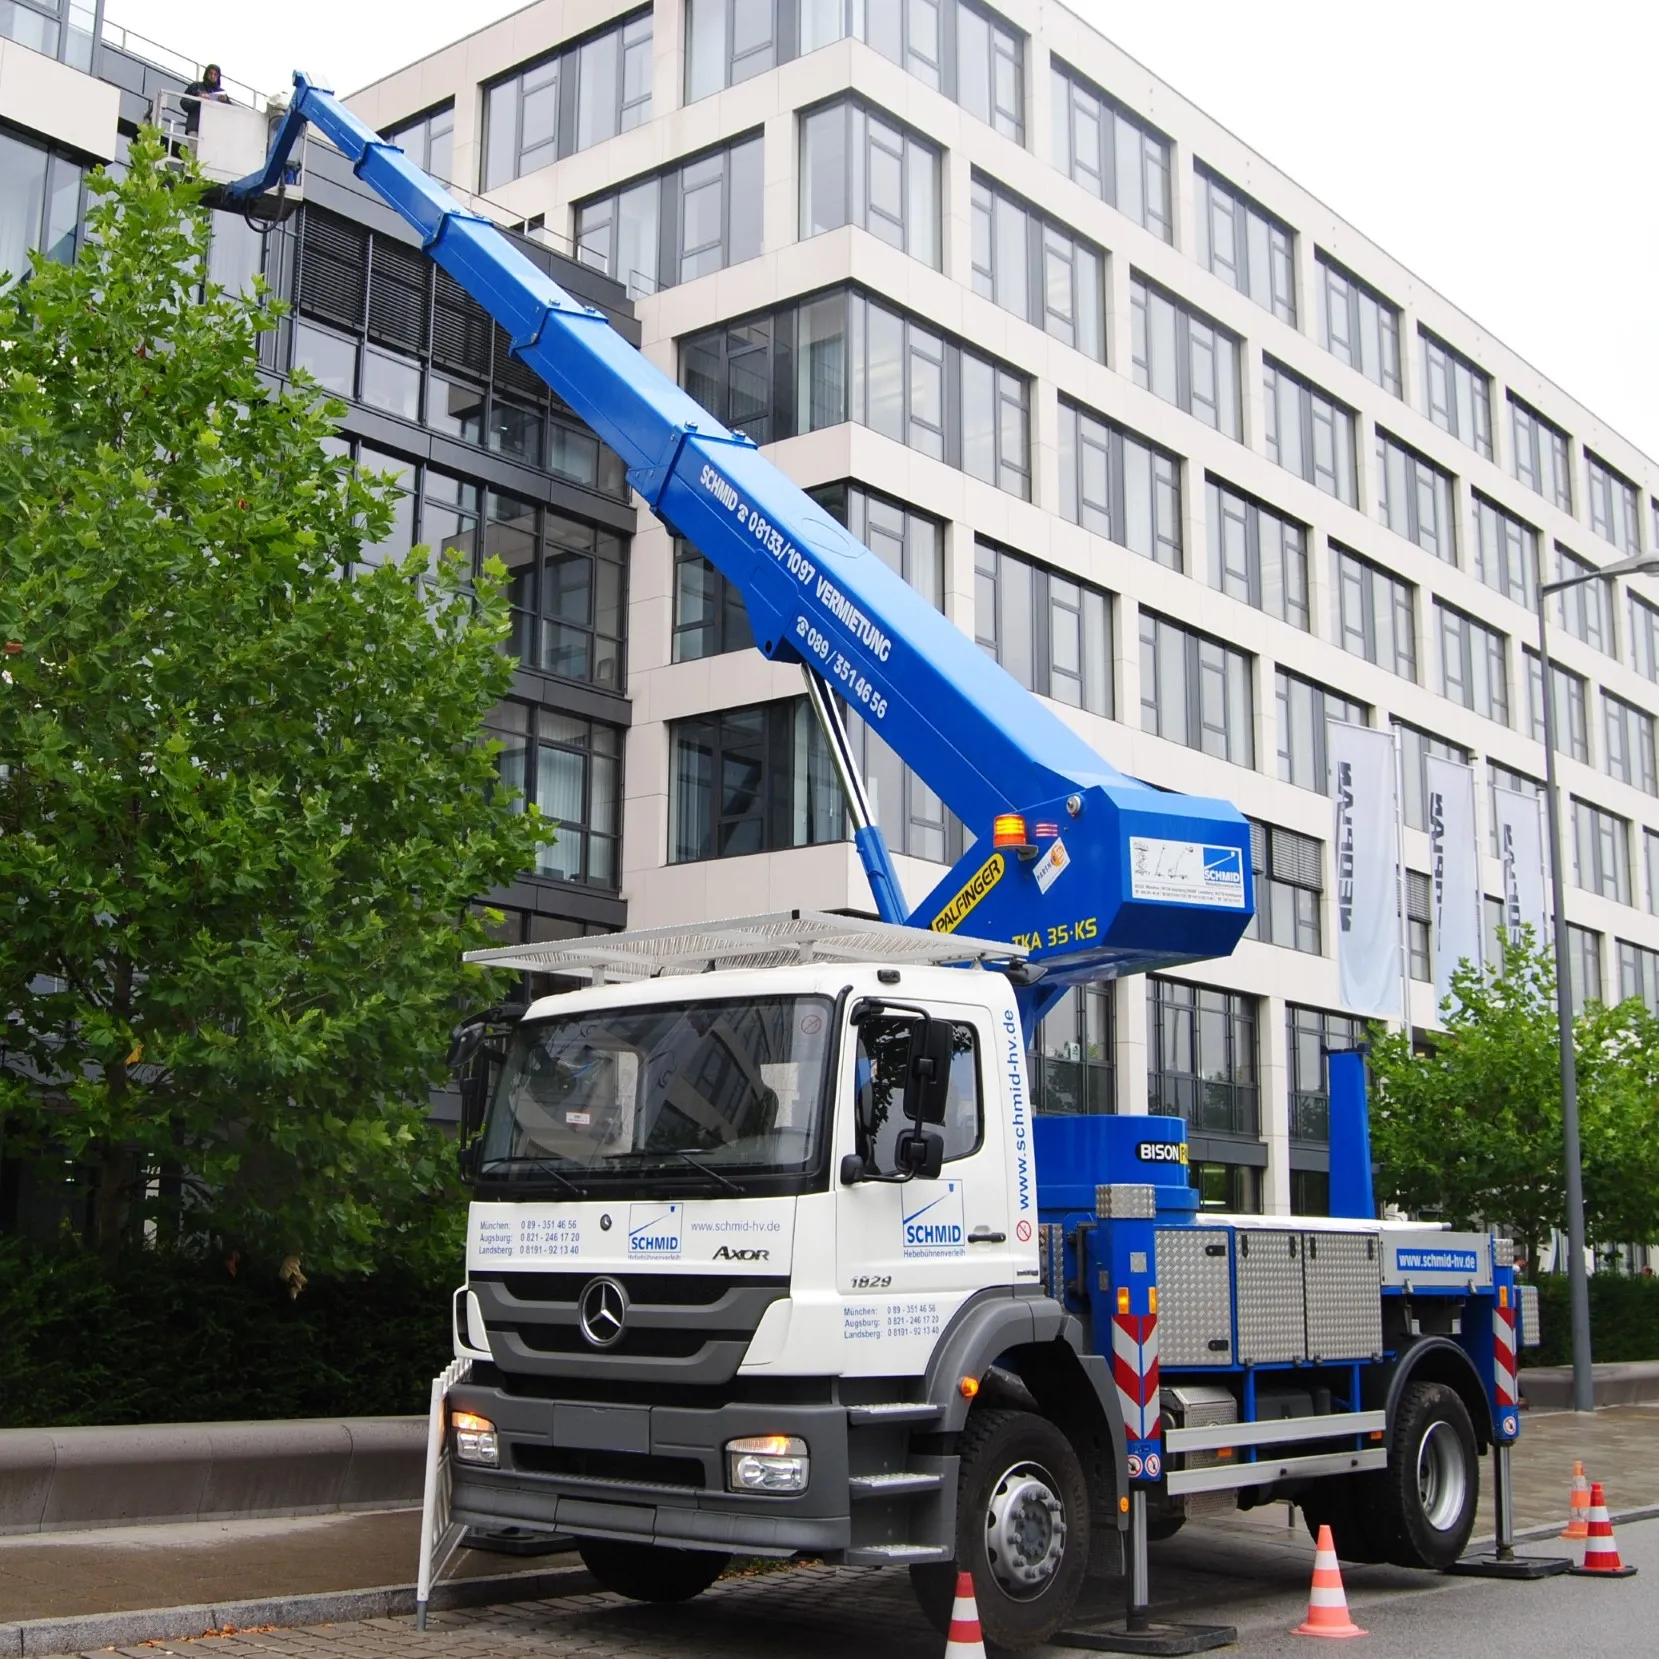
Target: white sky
(1492,146)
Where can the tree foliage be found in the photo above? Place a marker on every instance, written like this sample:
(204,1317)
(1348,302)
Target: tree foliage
(243,804)
(1471,1130)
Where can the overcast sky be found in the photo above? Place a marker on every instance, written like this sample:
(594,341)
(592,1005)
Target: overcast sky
(1493,146)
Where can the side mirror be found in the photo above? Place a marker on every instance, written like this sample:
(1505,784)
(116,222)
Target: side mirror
(466,1158)
(465,1041)
(852,1170)
(929,1092)
(921,1153)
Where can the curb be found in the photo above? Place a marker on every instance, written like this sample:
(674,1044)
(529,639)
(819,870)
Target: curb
(37,1638)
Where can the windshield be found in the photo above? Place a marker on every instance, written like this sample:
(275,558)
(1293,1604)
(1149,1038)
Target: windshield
(731,1088)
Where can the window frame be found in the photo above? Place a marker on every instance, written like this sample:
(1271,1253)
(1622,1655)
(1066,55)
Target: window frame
(916,152)
(1274,244)
(1315,409)
(1481,665)
(1237,671)
(1187,349)
(1355,570)
(1236,1018)
(1417,471)
(1154,165)
(1148,519)
(1320,715)
(1044,589)
(1457,393)
(1356,295)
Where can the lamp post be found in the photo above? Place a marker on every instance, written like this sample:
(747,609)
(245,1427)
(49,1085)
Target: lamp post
(1584,1387)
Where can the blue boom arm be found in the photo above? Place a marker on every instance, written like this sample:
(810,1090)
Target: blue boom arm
(1115,876)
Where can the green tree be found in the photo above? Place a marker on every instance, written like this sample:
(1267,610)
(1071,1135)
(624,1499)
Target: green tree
(243,803)
(1471,1129)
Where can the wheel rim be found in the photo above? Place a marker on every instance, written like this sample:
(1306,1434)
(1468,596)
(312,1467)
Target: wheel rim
(1442,1479)
(1025,1531)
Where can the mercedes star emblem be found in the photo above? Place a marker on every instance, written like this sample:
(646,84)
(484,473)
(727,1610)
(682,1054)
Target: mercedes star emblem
(602,1311)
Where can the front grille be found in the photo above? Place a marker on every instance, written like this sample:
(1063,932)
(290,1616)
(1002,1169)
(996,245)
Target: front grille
(636,1342)
(661,1290)
(635,1468)
(617,1391)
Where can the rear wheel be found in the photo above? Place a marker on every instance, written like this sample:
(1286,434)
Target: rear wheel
(1431,1487)
(650,1572)
(1022,1530)
(1348,1505)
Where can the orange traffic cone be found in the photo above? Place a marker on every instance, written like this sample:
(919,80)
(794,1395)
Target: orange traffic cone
(1601,1554)
(1578,1524)
(965,1640)
(1327,1603)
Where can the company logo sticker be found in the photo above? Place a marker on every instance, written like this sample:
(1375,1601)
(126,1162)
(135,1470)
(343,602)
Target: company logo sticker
(1051,866)
(654,1230)
(1436,1261)
(978,885)
(932,1220)
(1186,872)
(1161,1152)
(726,1254)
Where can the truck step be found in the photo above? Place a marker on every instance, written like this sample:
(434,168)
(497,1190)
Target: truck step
(899,1411)
(894,1485)
(894,1555)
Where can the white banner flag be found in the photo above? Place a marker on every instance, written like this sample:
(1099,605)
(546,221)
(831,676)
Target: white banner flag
(1366,841)
(1521,847)
(1455,871)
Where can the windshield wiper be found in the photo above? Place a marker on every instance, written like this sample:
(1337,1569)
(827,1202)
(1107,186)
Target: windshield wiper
(536,1166)
(703,1169)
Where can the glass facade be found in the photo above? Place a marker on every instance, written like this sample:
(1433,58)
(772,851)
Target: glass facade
(1290,886)
(1257,555)
(1540,454)
(1073,1061)
(1051,632)
(1203,1063)
(1036,268)
(429,141)
(1305,709)
(1119,485)
(1245,245)
(1613,510)
(1110,151)
(1415,500)
(1458,394)
(1196,691)
(1357,325)
(1376,614)
(1308,433)
(861,167)
(570,769)
(1311,1036)
(40,204)
(1185,358)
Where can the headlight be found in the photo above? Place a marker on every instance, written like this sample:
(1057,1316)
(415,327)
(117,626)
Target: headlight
(475,1440)
(767,1463)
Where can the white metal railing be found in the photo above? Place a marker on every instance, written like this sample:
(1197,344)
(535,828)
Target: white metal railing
(176,63)
(440,1536)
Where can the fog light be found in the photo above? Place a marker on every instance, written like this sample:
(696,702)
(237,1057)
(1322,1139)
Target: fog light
(767,1463)
(475,1440)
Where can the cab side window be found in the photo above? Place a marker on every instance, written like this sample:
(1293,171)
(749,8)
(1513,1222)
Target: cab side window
(882,1068)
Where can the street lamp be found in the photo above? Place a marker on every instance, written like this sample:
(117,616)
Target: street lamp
(1584,1387)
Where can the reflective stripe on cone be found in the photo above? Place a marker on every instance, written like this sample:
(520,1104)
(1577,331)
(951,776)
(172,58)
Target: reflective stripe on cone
(965,1640)
(1601,1554)
(1327,1601)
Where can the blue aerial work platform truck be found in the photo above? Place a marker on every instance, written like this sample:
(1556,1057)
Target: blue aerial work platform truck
(769,1254)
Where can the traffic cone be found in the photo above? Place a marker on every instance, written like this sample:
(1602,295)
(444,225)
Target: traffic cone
(1601,1554)
(965,1640)
(1327,1603)
(1578,1524)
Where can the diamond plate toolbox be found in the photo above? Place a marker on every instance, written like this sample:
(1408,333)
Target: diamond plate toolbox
(1342,1287)
(1195,1296)
(1272,1325)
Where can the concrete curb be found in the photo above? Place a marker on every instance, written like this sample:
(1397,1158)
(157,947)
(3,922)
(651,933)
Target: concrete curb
(1617,1383)
(37,1638)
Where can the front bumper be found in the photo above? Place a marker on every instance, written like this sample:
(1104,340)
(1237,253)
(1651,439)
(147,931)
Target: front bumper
(651,1473)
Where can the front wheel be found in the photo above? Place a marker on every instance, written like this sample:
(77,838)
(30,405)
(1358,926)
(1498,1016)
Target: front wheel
(650,1572)
(1022,1530)
(1432,1484)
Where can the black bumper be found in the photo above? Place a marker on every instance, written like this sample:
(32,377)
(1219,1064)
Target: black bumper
(663,1478)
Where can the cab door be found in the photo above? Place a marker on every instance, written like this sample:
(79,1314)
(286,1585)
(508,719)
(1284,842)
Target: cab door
(909,1253)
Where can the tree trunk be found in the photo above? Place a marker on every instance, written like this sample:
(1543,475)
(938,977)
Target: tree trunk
(109,1209)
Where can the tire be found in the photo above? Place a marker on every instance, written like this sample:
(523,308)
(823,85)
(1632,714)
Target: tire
(1431,1487)
(650,1572)
(1022,1530)
(1349,1505)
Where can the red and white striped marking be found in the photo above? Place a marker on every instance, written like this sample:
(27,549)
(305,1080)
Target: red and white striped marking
(965,1641)
(1327,1601)
(1503,1356)
(1135,1371)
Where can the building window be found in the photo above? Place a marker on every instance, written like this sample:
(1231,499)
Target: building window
(1257,556)
(36,24)
(1644,638)
(1357,325)
(914,819)
(583,94)
(910,543)
(1416,746)
(1290,886)
(1472,664)
(565,588)
(1583,966)
(1204,1065)
(1118,485)
(1506,552)
(1458,394)
(1073,1062)
(40,202)
(1196,691)
(1246,246)
(1311,1037)
(728,42)
(1585,611)
(1420,926)
(1650,857)
(710,617)
(1308,433)
(990,67)
(1517,783)
(1571,710)
(1304,711)
(860,167)
(1377,613)
(1639,975)
(1111,152)
(1541,455)
(571,770)
(1050,631)
(1630,743)
(1185,358)
(1416,498)
(694,219)
(1601,852)
(1612,504)
(843,356)
(751,780)
(1036,268)
(429,141)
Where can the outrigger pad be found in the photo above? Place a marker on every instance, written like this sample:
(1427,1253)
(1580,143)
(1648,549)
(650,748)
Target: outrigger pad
(1511,1566)
(1150,1638)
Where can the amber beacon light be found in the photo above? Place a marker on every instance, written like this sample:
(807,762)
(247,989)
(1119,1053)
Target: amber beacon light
(1008,835)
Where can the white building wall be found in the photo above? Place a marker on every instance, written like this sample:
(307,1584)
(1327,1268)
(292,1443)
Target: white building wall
(663,691)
